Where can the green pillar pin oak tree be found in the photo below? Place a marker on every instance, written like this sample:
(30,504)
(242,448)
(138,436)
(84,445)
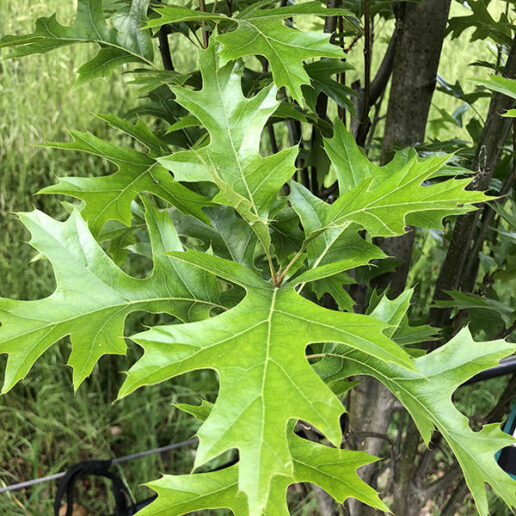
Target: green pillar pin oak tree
(245,257)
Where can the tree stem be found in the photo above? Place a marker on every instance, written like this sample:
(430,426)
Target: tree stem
(205,38)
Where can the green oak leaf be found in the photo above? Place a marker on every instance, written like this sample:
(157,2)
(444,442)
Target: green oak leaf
(330,252)
(124,42)
(384,206)
(260,345)
(352,166)
(334,250)
(263,32)
(93,296)
(500,84)
(485,25)
(110,197)
(332,469)
(246,180)
(468,301)
(395,311)
(429,399)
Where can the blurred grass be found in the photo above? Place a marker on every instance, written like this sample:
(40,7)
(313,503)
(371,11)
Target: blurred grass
(46,429)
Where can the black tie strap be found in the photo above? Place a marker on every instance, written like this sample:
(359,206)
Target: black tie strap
(98,468)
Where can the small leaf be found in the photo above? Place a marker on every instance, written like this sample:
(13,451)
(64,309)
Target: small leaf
(110,197)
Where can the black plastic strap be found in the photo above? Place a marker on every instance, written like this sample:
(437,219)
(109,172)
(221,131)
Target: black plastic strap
(99,468)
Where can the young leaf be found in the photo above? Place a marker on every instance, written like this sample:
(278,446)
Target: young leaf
(246,180)
(262,32)
(499,84)
(384,206)
(109,198)
(258,350)
(93,296)
(334,250)
(123,44)
(428,400)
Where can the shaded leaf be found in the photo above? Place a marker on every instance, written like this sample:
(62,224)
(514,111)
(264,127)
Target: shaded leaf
(93,296)
(468,301)
(110,197)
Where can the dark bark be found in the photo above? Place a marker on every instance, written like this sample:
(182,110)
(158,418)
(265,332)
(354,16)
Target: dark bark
(366,93)
(370,410)
(487,155)
(417,49)
(472,261)
(330,26)
(376,91)
(420,34)
(164,49)
(416,59)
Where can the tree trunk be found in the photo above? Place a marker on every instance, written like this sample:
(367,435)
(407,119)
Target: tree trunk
(419,38)
(418,48)
(486,158)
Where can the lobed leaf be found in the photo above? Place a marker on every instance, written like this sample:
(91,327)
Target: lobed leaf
(259,344)
(429,400)
(247,181)
(332,469)
(262,32)
(124,42)
(93,296)
(110,197)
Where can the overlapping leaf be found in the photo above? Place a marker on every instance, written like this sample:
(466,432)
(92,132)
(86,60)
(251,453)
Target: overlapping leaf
(228,236)
(331,252)
(246,180)
(122,43)
(332,469)
(485,25)
(93,296)
(260,345)
(263,32)
(428,399)
(110,197)
(383,200)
